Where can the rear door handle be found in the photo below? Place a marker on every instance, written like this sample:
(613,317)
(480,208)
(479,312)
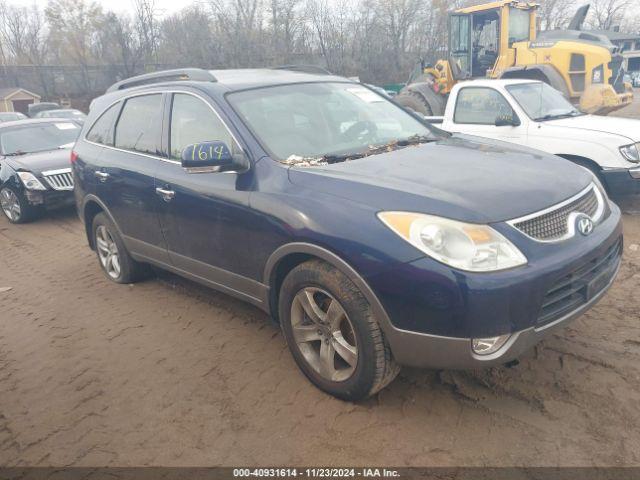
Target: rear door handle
(102,176)
(166,194)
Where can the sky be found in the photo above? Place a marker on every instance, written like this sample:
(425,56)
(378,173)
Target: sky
(164,6)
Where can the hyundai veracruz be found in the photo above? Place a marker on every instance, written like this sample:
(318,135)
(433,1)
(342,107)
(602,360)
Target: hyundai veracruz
(374,239)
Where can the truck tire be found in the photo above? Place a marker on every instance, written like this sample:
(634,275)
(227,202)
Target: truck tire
(416,102)
(332,333)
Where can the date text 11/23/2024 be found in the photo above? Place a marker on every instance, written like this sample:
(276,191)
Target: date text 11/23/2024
(315,473)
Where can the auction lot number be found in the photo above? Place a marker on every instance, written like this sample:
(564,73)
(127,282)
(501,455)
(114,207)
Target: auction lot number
(315,472)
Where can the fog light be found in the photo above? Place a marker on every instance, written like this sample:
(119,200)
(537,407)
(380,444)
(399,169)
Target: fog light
(487,346)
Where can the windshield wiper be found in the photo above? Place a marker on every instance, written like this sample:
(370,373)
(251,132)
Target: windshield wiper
(372,150)
(573,113)
(415,140)
(333,158)
(15,154)
(378,149)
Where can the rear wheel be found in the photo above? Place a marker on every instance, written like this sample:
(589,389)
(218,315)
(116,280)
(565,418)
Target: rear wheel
(16,207)
(115,261)
(332,333)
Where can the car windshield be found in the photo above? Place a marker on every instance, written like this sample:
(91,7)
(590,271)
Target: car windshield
(541,101)
(10,117)
(37,137)
(322,120)
(65,114)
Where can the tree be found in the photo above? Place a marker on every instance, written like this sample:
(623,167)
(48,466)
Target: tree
(119,45)
(556,14)
(146,26)
(187,39)
(284,23)
(605,14)
(74,26)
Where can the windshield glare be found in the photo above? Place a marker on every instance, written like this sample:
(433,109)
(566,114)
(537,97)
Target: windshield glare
(38,137)
(65,114)
(315,120)
(8,117)
(541,101)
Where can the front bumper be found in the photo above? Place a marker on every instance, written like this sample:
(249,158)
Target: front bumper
(622,181)
(51,199)
(431,313)
(433,351)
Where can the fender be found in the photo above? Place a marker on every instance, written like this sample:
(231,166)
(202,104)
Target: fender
(92,198)
(404,344)
(337,262)
(539,72)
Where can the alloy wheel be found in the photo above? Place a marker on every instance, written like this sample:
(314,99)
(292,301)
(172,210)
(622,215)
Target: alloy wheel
(108,252)
(324,334)
(10,204)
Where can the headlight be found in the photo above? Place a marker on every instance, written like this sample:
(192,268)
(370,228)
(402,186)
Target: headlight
(30,182)
(597,75)
(631,152)
(466,246)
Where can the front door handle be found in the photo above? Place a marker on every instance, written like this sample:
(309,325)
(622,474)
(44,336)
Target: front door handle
(102,176)
(166,194)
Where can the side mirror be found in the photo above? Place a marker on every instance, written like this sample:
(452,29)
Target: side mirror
(507,120)
(213,156)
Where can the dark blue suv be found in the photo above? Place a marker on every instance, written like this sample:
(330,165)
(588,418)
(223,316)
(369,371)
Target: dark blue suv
(374,239)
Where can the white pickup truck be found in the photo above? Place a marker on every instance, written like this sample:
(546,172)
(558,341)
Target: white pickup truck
(532,113)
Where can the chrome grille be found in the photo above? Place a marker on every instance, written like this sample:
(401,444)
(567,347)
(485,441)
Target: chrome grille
(59,179)
(554,224)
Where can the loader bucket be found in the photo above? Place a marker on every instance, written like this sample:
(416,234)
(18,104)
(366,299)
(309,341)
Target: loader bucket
(603,99)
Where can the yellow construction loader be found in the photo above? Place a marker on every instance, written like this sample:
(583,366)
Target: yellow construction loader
(500,40)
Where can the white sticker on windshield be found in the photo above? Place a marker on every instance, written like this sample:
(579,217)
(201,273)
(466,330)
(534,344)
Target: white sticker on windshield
(365,95)
(66,126)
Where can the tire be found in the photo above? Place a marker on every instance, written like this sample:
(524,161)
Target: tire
(15,206)
(415,102)
(322,340)
(113,257)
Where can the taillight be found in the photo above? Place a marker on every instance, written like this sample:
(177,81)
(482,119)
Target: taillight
(73,157)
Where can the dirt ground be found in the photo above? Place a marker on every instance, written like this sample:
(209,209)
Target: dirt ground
(166,372)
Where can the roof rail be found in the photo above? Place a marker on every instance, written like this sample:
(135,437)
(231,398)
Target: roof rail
(305,69)
(195,74)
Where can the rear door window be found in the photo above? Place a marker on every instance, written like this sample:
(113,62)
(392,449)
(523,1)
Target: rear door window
(138,128)
(102,131)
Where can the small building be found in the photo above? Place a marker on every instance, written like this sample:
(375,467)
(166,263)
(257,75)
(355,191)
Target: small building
(16,99)
(629,45)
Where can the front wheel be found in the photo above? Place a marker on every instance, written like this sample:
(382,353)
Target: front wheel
(332,334)
(16,207)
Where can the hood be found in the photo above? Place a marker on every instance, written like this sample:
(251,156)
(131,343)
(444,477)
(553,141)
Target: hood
(41,161)
(620,127)
(463,177)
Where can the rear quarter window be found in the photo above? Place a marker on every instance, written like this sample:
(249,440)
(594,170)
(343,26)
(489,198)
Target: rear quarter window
(102,130)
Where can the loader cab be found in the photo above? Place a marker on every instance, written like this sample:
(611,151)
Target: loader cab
(481,38)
